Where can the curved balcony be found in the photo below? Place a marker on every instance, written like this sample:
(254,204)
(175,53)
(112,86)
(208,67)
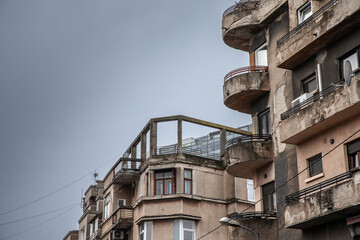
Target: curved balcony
(246,154)
(245,85)
(239,24)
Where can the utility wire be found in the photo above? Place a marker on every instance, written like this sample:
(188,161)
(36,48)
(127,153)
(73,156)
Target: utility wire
(53,192)
(36,226)
(42,214)
(286,182)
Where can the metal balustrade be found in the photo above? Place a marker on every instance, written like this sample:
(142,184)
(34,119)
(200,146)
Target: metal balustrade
(297,108)
(243,70)
(287,36)
(242,4)
(255,214)
(318,187)
(250,138)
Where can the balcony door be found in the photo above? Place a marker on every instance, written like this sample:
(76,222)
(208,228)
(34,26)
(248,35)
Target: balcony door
(269,201)
(261,55)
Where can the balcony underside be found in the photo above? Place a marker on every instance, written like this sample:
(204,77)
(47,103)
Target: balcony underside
(242,90)
(245,158)
(126,177)
(321,115)
(331,204)
(319,32)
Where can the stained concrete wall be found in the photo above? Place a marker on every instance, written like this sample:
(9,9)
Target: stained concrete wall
(333,230)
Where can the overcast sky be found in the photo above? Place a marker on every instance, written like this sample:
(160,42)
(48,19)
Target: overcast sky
(79,79)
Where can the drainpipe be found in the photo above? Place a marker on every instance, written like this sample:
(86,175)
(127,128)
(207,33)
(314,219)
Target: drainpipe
(319,77)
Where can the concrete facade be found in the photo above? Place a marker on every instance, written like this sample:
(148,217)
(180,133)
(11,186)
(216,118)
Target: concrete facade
(306,49)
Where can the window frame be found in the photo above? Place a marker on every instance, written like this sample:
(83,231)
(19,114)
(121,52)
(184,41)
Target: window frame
(145,230)
(269,197)
(256,56)
(265,113)
(352,154)
(179,229)
(190,180)
(107,206)
(342,59)
(301,10)
(310,165)
(163,180)
(307,80)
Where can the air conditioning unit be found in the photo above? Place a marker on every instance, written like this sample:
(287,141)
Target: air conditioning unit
(118,235)
(300,99)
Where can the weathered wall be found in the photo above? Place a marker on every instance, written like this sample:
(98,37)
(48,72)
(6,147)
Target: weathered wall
(330,231)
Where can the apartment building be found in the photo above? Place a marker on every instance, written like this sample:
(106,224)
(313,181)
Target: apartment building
(90,221)
(302,90)
(72,235)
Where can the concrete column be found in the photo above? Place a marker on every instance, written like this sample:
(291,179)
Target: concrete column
(143,146)
(153,138)
(222,141)
(133,155)
(179,134)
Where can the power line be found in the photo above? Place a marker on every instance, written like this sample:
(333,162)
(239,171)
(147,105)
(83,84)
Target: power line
(36,226)
(286,182)
(42,214)
(53,192)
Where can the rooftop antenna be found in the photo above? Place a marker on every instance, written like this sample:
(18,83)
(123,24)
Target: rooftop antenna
(95,176)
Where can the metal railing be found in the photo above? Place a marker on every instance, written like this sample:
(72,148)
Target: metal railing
(315,97)
(287,36)
(243,70)
(95,234)
(242,4)
(255,214)
(318,187)
(127,166)
(251,138)
(190,150)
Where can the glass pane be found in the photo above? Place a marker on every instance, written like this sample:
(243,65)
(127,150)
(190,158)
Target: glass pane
(168,187)
(159,187)
(167,175)
(187,187)
(159,175)
(188,235)
(261,56)
(148,230)
(188,224)
(305,13)
(187,174)
(176,230)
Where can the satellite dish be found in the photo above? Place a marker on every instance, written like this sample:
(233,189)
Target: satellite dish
(348,74)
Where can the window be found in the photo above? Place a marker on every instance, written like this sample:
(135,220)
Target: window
(250,190)
(165,182)
(353,150)
(348,64)
(264,123)
(269,201)
(315,165)
(184,229)
(91,228)
(304,12)
(122,202)
(261,55)
(188,181)
(145,230)
(82,234)
(107,206)
(309,84)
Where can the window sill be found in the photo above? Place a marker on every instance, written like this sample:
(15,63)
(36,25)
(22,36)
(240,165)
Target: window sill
(320,175)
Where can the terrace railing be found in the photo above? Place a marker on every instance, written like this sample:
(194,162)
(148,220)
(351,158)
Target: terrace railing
(318,187)
(127,165)
(190,150)
(242,4)
(255,214)
(327,91)
(243,70)
(287,36)
(250,138)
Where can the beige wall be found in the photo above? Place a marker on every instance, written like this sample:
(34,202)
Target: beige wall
(336,162)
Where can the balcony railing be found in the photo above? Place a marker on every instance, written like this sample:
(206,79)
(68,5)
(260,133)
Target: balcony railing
(242,4)
(243,70)
(287,36)
(318,187)
(250,138)
(190,150)
(95,234)
(255,214)
(127,166)
(327,91)
(123,213)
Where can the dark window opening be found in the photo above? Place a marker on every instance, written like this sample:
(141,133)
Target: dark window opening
(264,123)
(315,165)
(310,84)
(353,150)
(269,201)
